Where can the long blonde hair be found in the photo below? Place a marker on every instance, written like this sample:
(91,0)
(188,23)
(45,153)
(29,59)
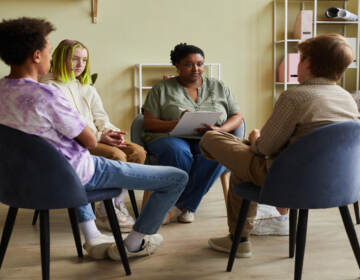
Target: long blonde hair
(61,64)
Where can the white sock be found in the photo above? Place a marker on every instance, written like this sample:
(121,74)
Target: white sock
(119,199)
(116,201)
(89,229)
(133,241)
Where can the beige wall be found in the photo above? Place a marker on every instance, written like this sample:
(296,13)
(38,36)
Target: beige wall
(237,34)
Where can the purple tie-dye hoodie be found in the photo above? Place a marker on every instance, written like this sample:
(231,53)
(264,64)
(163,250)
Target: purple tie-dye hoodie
(43,110)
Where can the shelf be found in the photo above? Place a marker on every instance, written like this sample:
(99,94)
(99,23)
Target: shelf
(143,87)
(153,64)
(336,22)
(283,83)
(283,45)
(288,40)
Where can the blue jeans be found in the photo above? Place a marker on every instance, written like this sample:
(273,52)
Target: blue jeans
(167,183)
(185,154)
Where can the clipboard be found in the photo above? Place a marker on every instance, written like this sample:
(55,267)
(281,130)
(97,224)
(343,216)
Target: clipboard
(192,120)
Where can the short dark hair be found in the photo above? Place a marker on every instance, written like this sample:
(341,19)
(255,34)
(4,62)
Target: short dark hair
(21,37)
(329,54)
(182,50)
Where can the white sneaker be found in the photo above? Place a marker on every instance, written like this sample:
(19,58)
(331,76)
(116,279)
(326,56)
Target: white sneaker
(171,216)
(149,246)
(266,212)
(186,217)
(122,208)
(273,226)
(125,221)
(97,247)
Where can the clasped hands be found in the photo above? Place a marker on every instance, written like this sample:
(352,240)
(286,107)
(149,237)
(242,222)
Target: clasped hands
(113,138)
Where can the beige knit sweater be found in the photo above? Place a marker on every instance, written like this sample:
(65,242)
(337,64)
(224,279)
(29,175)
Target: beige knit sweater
(300,110)
(86,101)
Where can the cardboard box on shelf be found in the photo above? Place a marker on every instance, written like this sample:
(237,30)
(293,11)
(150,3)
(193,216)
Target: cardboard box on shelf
(303,25)
(292,67)
(352,42)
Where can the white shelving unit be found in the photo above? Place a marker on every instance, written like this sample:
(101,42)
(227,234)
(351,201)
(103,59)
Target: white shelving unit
(139,86)
(286,41)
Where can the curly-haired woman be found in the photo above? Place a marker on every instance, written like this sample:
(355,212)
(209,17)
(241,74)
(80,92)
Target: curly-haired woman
(164,105)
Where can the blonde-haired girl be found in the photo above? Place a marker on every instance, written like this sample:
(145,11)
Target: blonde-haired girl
(70,73)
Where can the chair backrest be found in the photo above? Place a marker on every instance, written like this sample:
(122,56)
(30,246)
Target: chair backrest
(34,175)
(240,131)
(319,170)
(137,127)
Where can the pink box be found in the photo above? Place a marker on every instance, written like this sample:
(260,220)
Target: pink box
(303,25)
(292,67)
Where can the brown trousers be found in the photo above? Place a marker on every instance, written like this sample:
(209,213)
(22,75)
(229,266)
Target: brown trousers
(131,153)
(244,165)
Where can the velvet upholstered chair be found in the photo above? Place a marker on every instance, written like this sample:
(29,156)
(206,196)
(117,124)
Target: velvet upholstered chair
(34,175)
(319,170)
(137,128)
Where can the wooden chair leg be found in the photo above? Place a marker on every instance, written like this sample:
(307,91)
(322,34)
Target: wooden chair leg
(292,231)
(145,198)
(351,233)
(75,231)
(45,244)
(117,234)
(356,210)
(133,203)
(36,214)
(239,227)
(225,185)
(300,242)
(9,225)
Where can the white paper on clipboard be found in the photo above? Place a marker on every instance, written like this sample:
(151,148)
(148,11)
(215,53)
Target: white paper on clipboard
(192,120)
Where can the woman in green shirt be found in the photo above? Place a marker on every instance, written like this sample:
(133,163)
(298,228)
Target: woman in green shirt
(165,104)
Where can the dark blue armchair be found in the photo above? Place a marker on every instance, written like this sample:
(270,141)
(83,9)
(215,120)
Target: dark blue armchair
(34,175)
(319,170)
